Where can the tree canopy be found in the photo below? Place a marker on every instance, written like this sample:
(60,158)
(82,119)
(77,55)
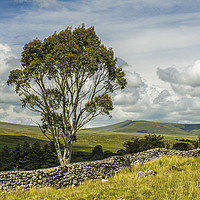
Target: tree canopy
(149,141)
(67,78)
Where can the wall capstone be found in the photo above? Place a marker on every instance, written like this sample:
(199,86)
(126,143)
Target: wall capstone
(76,173)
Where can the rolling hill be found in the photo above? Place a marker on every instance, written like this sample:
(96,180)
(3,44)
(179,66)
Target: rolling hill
(152,127)
(110,137)
(13,134)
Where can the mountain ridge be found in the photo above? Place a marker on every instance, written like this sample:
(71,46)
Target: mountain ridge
(142,126)
(123,126)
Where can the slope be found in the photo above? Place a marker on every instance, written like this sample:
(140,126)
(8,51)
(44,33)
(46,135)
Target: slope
(152,127)
(14,134)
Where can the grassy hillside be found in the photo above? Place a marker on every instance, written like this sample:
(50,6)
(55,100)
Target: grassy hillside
(177,178)
(152,127)
(113,127)
(18,130)
(110,137)
(13,134)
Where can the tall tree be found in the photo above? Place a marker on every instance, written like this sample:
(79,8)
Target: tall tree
(68,79)
(5,158)
(36,155)
(25,158)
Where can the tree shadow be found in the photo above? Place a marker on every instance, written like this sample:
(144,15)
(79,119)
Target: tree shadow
(12,141)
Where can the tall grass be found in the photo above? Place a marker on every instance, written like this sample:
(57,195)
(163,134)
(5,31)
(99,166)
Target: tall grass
(178,178)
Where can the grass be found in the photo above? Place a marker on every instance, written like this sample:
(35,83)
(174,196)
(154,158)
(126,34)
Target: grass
(13,134)
(178,178)
(113,141)
(152,127)
(108,140)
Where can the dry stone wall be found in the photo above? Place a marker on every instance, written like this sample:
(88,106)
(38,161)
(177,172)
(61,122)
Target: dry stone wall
(76,173)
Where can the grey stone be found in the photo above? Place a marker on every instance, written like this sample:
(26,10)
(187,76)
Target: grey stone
(146,173)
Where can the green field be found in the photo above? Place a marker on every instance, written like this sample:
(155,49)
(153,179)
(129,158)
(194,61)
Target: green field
(110,137)
(13,134)
(177,178)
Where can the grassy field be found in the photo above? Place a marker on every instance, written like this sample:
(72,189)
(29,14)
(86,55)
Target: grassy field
(113,141)
(13,134)
(108,137)
(177,178)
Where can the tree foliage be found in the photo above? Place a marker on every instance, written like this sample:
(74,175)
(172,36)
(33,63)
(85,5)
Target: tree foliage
(26,157)
(68,79)
(149,141)
(182,146)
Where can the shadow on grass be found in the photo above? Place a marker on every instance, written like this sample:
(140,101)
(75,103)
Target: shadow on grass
(12,141)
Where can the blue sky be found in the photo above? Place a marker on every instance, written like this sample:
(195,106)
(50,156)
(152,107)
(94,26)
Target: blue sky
(159,40)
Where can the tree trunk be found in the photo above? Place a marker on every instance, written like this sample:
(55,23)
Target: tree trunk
(67,153)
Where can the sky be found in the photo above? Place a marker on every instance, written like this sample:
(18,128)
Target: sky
(156,42)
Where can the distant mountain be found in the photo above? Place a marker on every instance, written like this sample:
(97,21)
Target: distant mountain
(151,127)
(127,126)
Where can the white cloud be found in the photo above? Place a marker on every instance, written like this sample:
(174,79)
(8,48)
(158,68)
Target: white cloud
(147,34)
(163,97)
(131,94)
(188,76)
(45,3)
(134,79)
(186,90)
(184,82)
(155,103)
(122,98)
(3,115)
(5,56)
(8,98)
(7,62)
(165,107)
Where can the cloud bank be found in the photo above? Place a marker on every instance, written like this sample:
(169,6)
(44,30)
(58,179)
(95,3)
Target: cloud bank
(184,82)
(152,38)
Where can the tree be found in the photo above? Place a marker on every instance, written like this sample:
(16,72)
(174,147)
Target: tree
(15,157)
(134,146)
(149,141)
(97,150)
(36,155)
(25,158)
(4,158)
(107,154)
(97,153)
(49,156)
(68,79)
(152,141)
(182,146)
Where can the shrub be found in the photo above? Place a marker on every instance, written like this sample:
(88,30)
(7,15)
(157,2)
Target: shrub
(149,141)
(181,146)
(107,154)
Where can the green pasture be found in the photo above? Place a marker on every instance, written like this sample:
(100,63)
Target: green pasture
(108,137)
(176,178)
